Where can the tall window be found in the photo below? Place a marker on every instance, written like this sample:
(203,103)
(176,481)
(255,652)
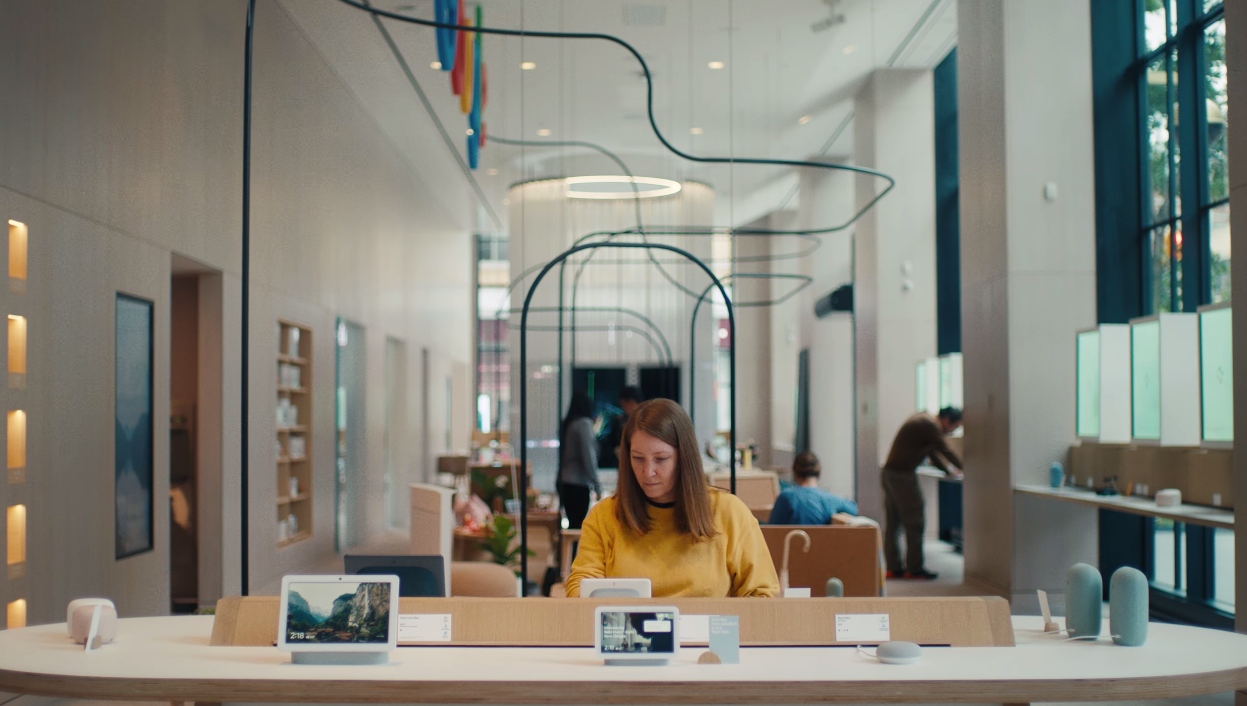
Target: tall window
(1186,210)
(493,370)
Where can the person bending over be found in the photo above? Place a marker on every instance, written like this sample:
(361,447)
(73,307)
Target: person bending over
(805,503)
(921,436)
(665,523)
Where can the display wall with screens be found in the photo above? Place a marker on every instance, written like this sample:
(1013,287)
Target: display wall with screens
(1216,368)
(1145,374)
(1088,384)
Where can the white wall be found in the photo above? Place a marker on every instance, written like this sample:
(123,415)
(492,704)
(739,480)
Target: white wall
(122,143)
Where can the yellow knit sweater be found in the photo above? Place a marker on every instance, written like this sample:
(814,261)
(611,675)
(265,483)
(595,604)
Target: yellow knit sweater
(735,562)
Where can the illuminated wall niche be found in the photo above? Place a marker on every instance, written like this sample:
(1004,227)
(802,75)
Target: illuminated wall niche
(17,614)
(17,256)
(17,446)
(17,351)
(16,555)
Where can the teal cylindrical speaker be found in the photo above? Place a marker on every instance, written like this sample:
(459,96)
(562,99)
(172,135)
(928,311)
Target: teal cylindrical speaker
(1084,590)
(1127,607)
(834,588)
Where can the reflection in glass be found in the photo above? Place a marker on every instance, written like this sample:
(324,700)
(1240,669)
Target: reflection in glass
(1216,111)
(1161,270)
(1219,252)
(1223,565)
(1156,126)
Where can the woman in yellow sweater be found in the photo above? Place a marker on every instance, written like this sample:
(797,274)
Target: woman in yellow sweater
(666,524)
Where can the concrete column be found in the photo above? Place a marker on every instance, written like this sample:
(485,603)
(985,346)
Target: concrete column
(894,263)
(753,346)
(1028,279)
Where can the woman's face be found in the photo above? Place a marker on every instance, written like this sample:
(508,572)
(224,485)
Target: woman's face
(654,463)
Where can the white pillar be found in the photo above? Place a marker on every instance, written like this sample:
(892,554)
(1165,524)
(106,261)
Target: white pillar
(894,262)
(1028,279)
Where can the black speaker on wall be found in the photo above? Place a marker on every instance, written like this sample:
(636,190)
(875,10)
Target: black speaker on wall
(841,299)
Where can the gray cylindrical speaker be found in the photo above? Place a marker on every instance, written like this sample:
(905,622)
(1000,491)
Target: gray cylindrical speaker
(1084,590)
(1127,607)
(834,588)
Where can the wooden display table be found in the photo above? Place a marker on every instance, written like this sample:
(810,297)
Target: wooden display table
(170,659)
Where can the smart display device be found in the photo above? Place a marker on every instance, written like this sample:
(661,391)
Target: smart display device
(615,588)
(638,635)
(338,619)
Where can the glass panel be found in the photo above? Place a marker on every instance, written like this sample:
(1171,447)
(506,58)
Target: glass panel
(1145,379)
(1216,372)
(1223,568)
(1210,5)
(1156,127)
(946,382)
(1167,558)
(1154,33)
(1217,110)
(1088,384)
(1219,249)
(1161,268)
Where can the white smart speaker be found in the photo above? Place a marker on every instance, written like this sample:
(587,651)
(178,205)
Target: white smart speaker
(91,621)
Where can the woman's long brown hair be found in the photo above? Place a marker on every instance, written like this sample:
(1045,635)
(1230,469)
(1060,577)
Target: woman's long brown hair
(668,422)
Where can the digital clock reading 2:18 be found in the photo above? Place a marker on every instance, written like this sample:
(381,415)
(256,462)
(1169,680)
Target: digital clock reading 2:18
(297,636)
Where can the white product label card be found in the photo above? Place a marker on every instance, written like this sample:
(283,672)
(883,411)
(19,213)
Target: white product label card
(1043,606)
(694,629)
(424,627)
(864,627)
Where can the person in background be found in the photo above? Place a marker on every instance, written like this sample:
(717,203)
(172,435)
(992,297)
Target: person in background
(578,460)
(805,503)
(666,524)
(629,399)
(920,437)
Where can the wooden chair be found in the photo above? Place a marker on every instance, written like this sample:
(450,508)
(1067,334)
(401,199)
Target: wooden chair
(482,579)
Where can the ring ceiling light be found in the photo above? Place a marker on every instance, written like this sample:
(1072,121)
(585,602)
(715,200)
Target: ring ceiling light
(619,187)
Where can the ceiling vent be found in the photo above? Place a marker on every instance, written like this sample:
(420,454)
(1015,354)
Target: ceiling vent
(639,15)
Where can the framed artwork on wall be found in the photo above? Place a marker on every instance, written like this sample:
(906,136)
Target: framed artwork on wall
(133,423)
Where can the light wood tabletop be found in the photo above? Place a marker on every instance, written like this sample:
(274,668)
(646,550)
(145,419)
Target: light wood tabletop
(170,659)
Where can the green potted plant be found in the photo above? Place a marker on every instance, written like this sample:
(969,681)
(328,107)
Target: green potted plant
(500,535)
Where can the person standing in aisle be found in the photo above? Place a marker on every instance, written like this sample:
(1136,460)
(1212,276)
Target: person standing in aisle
(920,437)
(578,460)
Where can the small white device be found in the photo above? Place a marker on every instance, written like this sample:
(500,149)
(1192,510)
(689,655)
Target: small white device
(615,588)
(1169,497)
(641,635)
(338,619)
(898,652)
(92,622)
(78,603)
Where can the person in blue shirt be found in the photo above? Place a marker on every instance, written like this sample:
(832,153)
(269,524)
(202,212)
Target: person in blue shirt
(805,503)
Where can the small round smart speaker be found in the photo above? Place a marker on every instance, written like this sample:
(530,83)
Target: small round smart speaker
(1127,607)
(898,652)
(834,588)
(1084,590)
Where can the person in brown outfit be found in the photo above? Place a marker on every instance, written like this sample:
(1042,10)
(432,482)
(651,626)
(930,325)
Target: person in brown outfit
(920,437)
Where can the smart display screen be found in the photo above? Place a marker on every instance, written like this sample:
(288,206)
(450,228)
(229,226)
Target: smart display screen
(338,612)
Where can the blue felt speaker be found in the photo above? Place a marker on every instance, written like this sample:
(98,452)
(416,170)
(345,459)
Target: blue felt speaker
(1084,589)
(1127,607)
(834,588)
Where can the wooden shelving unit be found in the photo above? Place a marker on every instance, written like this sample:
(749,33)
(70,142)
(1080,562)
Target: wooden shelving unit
(294,411)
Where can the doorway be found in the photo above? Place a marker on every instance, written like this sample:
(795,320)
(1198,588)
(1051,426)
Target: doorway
(350,435)
(195,350)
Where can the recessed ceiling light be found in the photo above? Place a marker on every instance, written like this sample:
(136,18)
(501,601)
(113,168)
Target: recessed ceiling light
(543,132)
(436,65)
(694,131)
(471,132)
(528,65)
(804,119)
(491,171)
(850,49)
(715,65)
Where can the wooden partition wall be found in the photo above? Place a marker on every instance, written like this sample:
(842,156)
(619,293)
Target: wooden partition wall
(568,622)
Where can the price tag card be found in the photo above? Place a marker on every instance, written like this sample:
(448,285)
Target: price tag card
(424,627)
(725,638)
(865,627)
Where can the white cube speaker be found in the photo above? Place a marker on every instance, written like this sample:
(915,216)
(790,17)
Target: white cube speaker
(80,615)
(1169,497)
